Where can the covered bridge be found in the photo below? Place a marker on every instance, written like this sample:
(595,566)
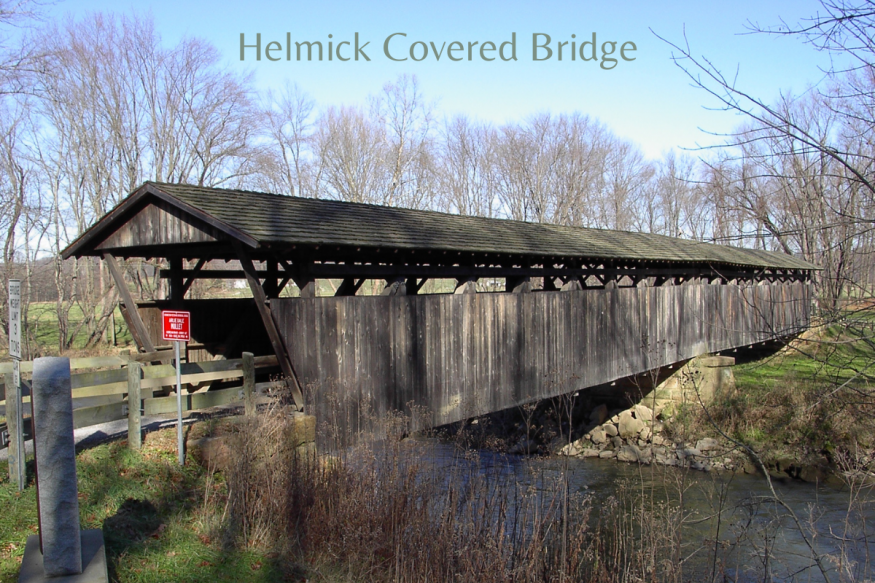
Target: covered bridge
(569,307)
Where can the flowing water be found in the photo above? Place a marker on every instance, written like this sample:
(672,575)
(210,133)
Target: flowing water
(733,528)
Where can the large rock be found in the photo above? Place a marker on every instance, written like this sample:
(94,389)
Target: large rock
(702,378)
(628,453)
(643,413)
(589,452)
(572,449)
(607,454)
(707,444)
(629,426)
(611,430)
(598,436)
(688,452)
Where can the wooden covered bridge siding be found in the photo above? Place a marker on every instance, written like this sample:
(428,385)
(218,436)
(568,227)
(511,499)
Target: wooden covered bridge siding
(626,297)
(469,354)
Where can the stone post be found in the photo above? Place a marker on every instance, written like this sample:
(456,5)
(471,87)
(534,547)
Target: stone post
(52,402)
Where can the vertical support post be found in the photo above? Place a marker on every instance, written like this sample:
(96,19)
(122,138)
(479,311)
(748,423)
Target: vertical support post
(349,286)
(52,402)
(249,383)
(179,439)
(135,435)
(14,426)
(176,289)
(271,279)
(305,282)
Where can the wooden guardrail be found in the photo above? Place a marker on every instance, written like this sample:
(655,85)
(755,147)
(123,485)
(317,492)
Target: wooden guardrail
(151,378)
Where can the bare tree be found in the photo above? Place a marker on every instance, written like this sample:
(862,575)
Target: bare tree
(406,118)
(287,163)
(817,151)
(466,174)
(117,108)
(352,149)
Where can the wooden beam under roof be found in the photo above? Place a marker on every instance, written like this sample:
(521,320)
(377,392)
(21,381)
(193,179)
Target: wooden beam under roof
(370,271)
(276,340)
(130,313)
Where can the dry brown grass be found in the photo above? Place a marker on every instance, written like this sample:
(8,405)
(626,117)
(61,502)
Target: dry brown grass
(389,512)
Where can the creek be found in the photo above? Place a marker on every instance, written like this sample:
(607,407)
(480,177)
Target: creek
(732,528)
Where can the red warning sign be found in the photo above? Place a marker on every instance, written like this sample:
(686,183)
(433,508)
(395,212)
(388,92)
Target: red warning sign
(176,325)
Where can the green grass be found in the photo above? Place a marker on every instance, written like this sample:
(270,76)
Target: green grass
(836,356)
(43,328)
(155,523)
(808,399)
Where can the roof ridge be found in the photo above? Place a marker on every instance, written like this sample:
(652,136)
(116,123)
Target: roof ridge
(279,218)
(391,208)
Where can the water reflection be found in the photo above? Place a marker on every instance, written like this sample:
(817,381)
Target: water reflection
(731,527)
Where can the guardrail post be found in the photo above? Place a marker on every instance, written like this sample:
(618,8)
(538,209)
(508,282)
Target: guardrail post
(135,435)
(249,383)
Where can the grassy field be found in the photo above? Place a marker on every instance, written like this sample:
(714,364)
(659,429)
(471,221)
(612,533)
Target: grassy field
(810,399)
(44,331)
(153,516)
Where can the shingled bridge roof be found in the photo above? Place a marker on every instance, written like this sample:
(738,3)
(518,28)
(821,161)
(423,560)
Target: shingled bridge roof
(271,220)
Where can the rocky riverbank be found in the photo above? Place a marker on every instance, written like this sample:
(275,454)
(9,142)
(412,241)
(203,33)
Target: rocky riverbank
(636,435)
(665,425)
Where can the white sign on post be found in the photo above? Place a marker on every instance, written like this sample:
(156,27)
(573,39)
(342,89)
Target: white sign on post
(13,393)
(14,318)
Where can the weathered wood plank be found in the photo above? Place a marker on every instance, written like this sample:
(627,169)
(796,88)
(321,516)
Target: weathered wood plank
(460,355)
(194,401)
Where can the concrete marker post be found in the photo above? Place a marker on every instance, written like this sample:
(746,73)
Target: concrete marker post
(52,403)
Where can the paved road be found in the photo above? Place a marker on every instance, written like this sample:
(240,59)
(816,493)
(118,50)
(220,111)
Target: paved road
(97,434)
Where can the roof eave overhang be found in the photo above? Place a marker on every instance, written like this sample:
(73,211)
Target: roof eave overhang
(85,244)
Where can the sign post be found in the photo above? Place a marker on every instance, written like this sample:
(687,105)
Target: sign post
(13,393)
(176,326)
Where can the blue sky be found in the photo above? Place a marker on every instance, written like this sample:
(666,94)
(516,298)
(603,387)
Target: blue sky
(648,100)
